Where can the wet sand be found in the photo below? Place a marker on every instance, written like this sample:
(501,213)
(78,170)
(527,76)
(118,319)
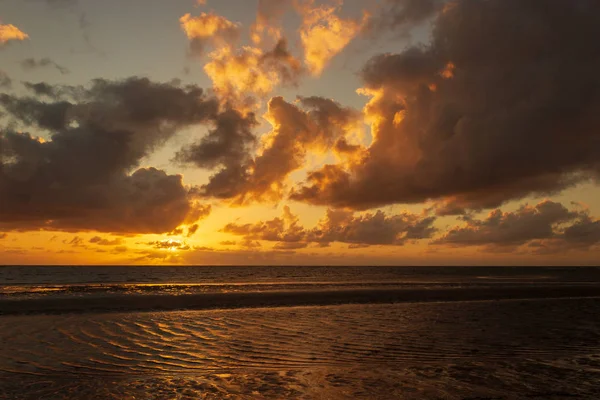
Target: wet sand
(205,301)
(492,349)
(299,333)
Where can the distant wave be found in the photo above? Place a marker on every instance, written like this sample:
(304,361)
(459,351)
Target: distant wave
(279,298)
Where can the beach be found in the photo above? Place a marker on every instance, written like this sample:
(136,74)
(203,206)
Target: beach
(447,337)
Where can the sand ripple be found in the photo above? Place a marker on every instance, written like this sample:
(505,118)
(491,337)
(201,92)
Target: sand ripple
(496,349)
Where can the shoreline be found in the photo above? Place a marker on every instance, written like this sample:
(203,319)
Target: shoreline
(208,301)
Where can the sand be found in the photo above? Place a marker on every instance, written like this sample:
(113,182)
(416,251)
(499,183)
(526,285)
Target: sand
(500,349)
(204,301)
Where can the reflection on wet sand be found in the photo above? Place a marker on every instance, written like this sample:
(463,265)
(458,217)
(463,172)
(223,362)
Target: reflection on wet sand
(494,349)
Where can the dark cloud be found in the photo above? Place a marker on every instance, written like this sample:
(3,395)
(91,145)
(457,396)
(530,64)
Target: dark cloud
(372,228)
(84,176)
(545,227)
(283,63)
(5,81)
(343,147)
(106,242)
(402,15)
(284,229)
(227,148)
(40,89)
(176,232)
(75,242)
(120,249)
(315,124)
(584,233)
(193,229)
(57,3)
(30,64)
(290,245)
(170,245)
(338,226)
(504,103)
(511,228)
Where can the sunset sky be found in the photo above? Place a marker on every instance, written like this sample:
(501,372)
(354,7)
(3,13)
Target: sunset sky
(405,132)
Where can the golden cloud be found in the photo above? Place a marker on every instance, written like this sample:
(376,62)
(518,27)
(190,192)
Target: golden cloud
(324,34)
(209,28)
(11,32)
(240,76)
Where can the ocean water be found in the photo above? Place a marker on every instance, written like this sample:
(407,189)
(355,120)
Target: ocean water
(299,332)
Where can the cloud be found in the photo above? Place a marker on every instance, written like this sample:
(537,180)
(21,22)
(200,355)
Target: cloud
(10,32)
(169,245)
(29,64)
(546,227)
(337,226)
(5,81)
(106,242)
(226,148)
(317,126)
(402,15)
(194,228)
(158,256)
(57,3)
(86,176)
(284,229)
(209,29)
(239,76)
(242,76)
(484,114)
(3,236)
(295,132)
(372,228)
(268,20)
(324,34)
(75,242)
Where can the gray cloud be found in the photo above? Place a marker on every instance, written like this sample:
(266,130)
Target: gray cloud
(338,226)
(227,148)
(544,228)
(106,242)
(169,244)
(86,176)
(57,3)
(30,64)
(502,104)
(402,15)
(5,81)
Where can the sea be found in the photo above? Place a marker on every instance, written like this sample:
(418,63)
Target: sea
(299,332)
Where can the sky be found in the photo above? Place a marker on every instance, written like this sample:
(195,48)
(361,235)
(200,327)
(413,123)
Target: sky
(292,132)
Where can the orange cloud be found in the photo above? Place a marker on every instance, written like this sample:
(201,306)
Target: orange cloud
(324,34)
(11,32)
(239,76)
(317,126)
(209,29)
(448,71)
(236,74)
